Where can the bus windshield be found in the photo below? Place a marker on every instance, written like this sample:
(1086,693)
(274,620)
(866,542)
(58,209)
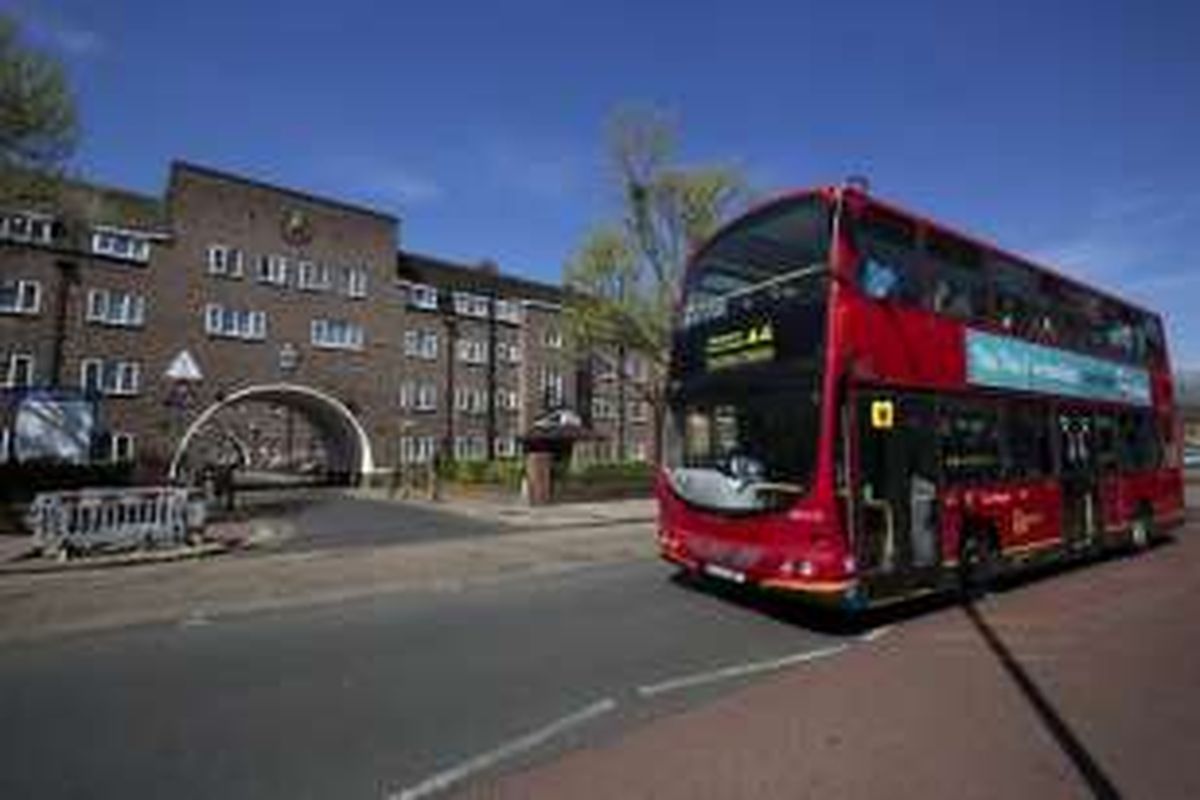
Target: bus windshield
(746,363)
(744,445)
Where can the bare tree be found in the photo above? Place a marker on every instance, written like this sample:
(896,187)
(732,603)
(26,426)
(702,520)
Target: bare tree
(626,277)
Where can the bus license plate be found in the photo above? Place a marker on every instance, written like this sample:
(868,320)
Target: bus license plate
(724,573)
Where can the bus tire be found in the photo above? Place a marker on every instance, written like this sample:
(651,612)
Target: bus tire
(1141,530)
(976,565)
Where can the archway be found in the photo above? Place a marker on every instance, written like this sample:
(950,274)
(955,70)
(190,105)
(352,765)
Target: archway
(347,445)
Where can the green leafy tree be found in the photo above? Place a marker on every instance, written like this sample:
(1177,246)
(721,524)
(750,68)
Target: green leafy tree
(625,278)
(38,123)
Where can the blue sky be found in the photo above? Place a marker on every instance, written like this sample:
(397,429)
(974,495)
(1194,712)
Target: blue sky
(1068,131)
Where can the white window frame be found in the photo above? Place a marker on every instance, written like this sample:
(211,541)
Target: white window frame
(225,261)
(468,304)
(355,281)
(10,370)
(272,269)
(553,339)
(24,286)
(508,311)
(313,276)
(114,377)
(36,228)
(422,295)
(115,442)
(419,343)
(225,322)
(116,308)
(426,397)
(321,334)
(123,244)
(472,351)
(506,446)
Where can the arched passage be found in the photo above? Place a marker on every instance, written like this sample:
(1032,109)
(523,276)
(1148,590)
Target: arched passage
(349,447)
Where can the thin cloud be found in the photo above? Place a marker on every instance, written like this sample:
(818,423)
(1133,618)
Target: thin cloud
(59,33)
(403,185)
(1131,239)
(381,182)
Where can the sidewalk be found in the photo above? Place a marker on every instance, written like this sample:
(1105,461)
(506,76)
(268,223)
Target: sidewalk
(520,515)
(1085,684)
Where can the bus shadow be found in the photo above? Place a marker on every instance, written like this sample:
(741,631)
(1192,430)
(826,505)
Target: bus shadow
(1034,573)
(810,616)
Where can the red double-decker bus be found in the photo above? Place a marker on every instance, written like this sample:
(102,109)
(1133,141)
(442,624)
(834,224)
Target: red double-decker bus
(865,405)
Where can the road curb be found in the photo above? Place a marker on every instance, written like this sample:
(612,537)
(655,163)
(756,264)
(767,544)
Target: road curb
(205,550)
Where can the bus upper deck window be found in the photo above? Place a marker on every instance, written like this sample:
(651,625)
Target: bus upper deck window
(879,280)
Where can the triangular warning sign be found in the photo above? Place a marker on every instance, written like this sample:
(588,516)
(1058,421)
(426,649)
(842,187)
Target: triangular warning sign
(184,368)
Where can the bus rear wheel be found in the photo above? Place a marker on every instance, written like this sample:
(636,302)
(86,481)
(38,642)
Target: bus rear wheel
(976,566)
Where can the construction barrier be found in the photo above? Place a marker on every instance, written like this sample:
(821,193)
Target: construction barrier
(95,519)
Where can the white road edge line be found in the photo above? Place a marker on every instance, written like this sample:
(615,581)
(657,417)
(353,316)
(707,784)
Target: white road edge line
(446,778)
(876,633)
(738,671)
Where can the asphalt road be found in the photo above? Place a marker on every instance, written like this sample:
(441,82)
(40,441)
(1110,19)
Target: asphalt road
(327,518)
(361,699)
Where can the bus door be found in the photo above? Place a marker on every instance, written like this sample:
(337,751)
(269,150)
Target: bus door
(1077,474)
(898,538)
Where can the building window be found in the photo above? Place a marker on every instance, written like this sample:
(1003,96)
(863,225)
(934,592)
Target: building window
(639,451)
(470,401)
(18,371)
(472,351)
(32,228)
(121,448)
(603,408)
(20,297)
(4,445)
(508,400)
(471,305)
(111,307)
(508,352)
(416,449)
(421,344)
(418,396)
(109,376)
(313,277)
(637,410)
(234,323)
(272,269)
(553,339)
(224,260)
(551,386)
(354,281)
(470,448)
(508,311)
(337,334)
(121,244)
(506,446)
(421,295)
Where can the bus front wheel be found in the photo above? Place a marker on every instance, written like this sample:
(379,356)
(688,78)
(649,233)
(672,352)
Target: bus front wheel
(1142,528)
(976,565)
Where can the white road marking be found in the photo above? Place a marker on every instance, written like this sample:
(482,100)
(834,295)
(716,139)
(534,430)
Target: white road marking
(737,671)
(876,633)
(195,619)
(449,777)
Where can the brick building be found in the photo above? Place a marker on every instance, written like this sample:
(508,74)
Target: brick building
(233,316)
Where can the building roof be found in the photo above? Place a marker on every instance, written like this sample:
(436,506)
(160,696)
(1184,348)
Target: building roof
(209,172)
(92,202)
(485,278)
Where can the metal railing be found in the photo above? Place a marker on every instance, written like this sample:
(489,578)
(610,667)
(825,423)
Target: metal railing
(93,519)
